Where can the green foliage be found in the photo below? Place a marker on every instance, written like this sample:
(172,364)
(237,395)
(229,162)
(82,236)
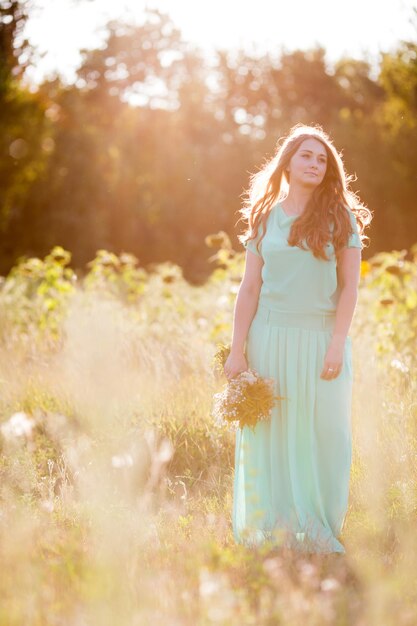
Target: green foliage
(105,515)
(117,276)
(389,294)
(25,140)
(35,295)
(84,167)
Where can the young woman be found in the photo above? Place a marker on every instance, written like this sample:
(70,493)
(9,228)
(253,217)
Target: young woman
(291,322)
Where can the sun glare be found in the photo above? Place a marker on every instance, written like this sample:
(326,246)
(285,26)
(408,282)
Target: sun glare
(61,28)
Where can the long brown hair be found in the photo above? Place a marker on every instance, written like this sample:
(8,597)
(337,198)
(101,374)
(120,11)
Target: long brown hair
(326,205)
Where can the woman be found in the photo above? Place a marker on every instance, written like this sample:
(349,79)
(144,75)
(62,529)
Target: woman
(294,310)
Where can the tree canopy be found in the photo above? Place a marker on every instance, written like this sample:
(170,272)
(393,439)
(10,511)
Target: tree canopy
(151,148)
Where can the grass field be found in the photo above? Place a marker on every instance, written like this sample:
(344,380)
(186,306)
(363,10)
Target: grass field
(116,487)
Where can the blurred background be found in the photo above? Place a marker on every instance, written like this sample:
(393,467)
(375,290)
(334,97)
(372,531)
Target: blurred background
(128,132)
(133,126)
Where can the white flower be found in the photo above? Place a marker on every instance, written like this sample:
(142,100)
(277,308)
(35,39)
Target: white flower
(329,584)
(19,425)
(222,302)
(248,376)
(209,583)
(166,451)
(122,460)
(399,365)
(48,505)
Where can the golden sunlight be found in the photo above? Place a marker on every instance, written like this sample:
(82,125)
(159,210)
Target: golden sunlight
(61,28)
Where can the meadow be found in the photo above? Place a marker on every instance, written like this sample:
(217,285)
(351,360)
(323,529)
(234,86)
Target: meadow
(116,486)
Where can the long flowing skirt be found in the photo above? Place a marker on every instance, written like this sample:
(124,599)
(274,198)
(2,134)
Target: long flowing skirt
(291,481)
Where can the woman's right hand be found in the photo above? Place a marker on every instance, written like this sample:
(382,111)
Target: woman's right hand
(235,364)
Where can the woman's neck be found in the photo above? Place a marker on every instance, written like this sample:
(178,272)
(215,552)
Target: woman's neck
(295,202)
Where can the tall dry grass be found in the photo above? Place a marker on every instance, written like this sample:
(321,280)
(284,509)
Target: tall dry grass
(116,488)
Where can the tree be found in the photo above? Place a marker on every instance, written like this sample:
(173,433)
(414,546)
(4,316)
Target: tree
(22,123)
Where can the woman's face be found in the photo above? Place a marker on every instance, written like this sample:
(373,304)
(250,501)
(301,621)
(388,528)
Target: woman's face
(308,165)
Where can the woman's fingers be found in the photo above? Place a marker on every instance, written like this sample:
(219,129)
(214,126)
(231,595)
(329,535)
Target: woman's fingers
(330,370)
(230,374)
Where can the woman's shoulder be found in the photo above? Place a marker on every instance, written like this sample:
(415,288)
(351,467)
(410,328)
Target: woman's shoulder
(251,242)
(354,240)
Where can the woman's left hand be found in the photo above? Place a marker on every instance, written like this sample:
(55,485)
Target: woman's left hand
(333,361)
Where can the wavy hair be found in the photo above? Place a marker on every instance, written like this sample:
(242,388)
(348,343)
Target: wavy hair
(327,204)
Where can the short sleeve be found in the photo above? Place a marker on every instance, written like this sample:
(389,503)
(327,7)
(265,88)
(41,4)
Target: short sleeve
(354,240)
(251,243)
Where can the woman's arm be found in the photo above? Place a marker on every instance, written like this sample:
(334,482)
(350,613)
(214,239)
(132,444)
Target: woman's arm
(348,276)
(244,312)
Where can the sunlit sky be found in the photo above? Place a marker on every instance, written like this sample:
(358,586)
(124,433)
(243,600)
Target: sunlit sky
(358,28)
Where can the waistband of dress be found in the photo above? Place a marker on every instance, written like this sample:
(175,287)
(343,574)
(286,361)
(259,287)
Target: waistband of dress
(296,319)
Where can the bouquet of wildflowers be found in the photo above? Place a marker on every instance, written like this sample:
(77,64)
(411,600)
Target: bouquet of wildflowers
(246,399)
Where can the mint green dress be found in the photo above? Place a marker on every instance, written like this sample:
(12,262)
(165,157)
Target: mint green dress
(291,479)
